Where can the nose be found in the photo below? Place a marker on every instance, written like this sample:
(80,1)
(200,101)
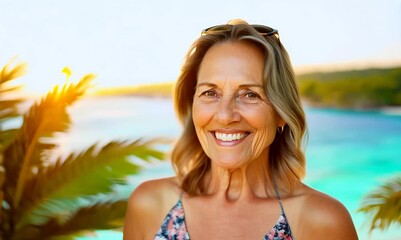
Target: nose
(227,111)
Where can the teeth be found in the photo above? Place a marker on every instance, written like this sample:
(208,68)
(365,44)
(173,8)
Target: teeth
(227,137)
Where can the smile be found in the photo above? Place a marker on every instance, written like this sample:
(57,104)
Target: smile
(228,137)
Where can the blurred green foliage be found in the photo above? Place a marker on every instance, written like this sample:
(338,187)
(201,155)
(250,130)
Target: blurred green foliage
(370,88)
(46,198)
(383,204)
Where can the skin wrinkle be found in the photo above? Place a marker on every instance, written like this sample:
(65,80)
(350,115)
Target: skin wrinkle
(235,182)
(260,137)
(241,178)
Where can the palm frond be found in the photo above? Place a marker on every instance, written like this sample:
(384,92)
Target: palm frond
(7,136)
(10,71)
(89,173)
(101,215)
(9,89)
(384,204)
(42,120)
(9,108)
(2,178)
(8,102)
(42,199)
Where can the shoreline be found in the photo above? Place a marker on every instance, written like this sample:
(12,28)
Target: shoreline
(391,110)
(388,110)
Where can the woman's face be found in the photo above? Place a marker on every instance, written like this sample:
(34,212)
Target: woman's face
(233,118)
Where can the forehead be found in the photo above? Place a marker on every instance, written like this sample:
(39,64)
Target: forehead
(238,61)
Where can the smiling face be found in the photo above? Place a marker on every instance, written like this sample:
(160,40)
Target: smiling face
(234,120)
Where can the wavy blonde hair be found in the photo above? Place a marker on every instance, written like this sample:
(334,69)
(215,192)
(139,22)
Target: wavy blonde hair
(286,160)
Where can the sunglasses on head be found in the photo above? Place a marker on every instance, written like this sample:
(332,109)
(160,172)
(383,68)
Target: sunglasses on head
(261,29)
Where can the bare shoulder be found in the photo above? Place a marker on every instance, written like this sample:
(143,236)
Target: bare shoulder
(148,205)
(155,192)
(324,217)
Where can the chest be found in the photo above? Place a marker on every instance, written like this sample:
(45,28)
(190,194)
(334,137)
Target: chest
(231,221)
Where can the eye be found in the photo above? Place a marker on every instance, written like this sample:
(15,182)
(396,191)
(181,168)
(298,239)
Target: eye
(248,96)
(251,95)
(209,93)
(208,96)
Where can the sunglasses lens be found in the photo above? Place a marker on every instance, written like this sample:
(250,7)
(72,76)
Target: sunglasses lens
(263,30)
(218,28)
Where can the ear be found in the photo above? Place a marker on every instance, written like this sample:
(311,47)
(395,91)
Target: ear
(280,122)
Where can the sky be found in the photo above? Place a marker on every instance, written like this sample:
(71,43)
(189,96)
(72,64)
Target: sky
(126,43)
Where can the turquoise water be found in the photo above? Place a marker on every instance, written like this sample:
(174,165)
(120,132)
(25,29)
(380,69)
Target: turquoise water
(348,152)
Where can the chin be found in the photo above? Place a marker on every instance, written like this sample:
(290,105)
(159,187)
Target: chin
(230,163)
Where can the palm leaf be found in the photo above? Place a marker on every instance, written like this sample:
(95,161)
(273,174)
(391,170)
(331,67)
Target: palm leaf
(9,89)
(384,204)
(2,178)
(9,109)
(8,102)
(7,136)
(89,173)
(10,71)
(42,120)
(101,215)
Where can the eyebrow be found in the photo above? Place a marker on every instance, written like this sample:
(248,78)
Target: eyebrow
(240,86)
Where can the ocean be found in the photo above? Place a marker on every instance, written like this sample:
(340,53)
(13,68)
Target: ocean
(349,153)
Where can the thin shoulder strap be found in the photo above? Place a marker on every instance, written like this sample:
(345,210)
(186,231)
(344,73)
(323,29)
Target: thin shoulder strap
(281,206)
(278,195)
(182,193)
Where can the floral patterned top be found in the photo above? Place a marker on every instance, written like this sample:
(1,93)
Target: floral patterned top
(174,227)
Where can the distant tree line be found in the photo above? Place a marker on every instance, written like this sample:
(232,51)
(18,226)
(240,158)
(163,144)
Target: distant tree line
(369,88)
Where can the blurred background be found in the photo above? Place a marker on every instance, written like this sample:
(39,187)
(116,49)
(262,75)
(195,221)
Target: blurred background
(132,42)
(347,57)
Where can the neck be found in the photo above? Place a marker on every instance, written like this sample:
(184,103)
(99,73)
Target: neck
(250,181)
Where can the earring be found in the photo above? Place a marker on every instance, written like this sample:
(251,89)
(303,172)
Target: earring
(280,129)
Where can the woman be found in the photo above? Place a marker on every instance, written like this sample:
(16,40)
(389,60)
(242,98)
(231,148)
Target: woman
(239,161)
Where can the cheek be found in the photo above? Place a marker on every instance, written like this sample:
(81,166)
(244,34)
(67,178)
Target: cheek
(265,123)
(263,139)
(200,115)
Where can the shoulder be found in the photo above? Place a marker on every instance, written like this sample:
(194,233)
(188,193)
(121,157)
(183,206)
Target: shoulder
(155,192)
(325,217)
(148,204)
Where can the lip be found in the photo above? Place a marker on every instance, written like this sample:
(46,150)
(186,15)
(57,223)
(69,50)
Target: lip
(229,131)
